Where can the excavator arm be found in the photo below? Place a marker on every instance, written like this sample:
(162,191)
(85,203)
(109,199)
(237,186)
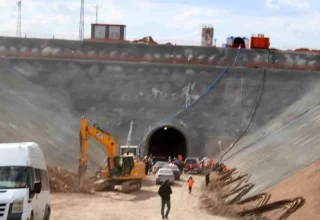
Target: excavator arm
(86,130)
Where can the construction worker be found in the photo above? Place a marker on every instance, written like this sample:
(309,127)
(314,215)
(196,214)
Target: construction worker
(224,168)
(150,163)
(146,163)
(176,161)
(207,178)
(190,183)
(165,192)
(202,166)
(210,163)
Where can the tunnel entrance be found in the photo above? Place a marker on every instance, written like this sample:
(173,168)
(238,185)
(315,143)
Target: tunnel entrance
(167,141)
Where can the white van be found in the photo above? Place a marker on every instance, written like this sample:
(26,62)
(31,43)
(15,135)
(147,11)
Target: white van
(24,185)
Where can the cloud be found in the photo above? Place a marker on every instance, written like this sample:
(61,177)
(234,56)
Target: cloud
(277,4)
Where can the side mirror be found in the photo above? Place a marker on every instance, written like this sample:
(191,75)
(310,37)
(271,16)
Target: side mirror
(37,187)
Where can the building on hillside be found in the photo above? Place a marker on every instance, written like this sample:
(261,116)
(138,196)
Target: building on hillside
(116,32)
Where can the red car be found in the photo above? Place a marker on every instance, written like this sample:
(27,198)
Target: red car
(192,164)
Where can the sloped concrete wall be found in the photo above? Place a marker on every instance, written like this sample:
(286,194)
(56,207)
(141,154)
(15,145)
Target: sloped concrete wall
(114,93)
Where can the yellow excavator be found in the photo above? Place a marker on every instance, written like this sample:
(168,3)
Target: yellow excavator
(121,170)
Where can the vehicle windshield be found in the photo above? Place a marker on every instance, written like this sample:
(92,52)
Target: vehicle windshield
(172,167)
(165,171)
(13,177)
(160,163)
(130,150)
(191,161)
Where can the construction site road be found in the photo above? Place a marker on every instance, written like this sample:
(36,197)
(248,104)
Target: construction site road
(144,204)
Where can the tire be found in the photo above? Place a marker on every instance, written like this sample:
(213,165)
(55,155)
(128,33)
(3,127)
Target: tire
(46,217)
(139,185)
(47,214)
(109,187)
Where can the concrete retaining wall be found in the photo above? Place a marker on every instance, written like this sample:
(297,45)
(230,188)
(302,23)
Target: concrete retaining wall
(157,53)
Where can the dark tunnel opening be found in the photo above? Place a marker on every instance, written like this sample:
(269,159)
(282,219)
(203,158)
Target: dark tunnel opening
(167,141)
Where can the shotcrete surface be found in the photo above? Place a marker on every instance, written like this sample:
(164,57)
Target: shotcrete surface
(42,100)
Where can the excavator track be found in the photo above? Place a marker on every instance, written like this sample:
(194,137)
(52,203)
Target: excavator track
(131,185)
(109,185)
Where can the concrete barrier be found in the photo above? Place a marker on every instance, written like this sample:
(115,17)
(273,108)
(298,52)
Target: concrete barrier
(25,47)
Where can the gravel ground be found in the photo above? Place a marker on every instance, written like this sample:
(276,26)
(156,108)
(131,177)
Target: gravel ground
(139,205)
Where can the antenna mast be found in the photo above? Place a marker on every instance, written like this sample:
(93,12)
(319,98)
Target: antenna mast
(97,11)
(19,19)
(81,25)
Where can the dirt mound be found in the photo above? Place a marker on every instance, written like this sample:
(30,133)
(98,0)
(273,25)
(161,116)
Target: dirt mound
(304,183)
(62,180)
(211,200)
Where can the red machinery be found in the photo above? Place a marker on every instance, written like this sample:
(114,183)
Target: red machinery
(260,42)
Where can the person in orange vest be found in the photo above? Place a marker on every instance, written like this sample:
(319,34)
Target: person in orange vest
(190,183)
(224,168)
(210,162)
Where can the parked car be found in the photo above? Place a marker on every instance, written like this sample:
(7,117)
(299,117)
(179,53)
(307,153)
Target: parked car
(164,174)
(156,159)
(175,170)
(158,165)
(192,164)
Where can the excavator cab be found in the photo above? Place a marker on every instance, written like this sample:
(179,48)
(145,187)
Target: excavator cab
(122,166)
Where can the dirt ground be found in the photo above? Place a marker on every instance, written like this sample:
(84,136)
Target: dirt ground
(138,205)
(304,183)
(66,204)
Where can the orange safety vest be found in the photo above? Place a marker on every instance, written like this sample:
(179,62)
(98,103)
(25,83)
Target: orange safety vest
(224,168)
(190,182)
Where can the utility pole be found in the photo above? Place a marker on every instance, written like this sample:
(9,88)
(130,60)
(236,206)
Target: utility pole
(81,25)
(97,11)
(19,20)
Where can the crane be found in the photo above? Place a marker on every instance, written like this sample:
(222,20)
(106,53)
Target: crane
(121,170)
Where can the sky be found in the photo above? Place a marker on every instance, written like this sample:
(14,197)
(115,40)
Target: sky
(289,23)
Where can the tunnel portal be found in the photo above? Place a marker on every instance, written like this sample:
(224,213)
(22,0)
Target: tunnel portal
(167,141)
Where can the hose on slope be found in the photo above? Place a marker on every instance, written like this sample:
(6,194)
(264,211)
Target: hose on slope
(263,81)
